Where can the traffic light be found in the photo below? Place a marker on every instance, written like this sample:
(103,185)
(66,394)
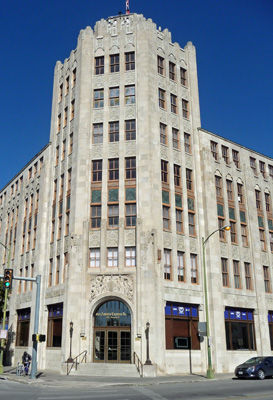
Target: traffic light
(8,275)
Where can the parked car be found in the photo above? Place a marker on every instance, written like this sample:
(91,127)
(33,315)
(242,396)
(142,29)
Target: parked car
(255,367)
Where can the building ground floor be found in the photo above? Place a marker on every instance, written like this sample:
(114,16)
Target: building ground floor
(110,333)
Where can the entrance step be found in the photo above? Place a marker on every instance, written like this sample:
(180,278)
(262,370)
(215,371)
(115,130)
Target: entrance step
(103,369)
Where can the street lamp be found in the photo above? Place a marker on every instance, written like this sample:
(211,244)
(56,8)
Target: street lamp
(4,316)
(70,359)
(148,361)
(210,372)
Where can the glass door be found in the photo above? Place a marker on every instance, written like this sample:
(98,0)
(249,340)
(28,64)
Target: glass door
(125,346)
(112,346)
(99,345)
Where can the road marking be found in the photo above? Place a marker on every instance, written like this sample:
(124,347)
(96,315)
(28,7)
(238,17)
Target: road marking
(76,396)
(148,393)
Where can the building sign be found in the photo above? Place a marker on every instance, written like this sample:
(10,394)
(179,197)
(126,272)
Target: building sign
(111,315)
(238,314)
(181,310)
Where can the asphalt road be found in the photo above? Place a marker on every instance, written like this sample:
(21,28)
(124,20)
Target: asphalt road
(205,390)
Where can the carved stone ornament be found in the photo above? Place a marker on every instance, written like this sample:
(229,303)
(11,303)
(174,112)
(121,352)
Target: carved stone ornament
(167,239)
(175,121)
(177,157)
(99,43)
(129,77)
(129,39)
(130,237)
(114,113)
(235,252)
(114,79)
(94,238)
(164,152)
(180,243)
(101,284)
(130,148)
(163,115)
(114,42)
(185,93)
(193,245)
(130,111)
(113,149)
(246,255)
(98,82)
(223,249)
(162,82)
(112,238)
(265,259)
(173,87)
(189,162)
(186,125)
(51,293)
(98,115)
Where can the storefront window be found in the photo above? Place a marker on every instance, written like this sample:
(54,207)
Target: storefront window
(270,324)
(181,324)
(23,322)
(239,329)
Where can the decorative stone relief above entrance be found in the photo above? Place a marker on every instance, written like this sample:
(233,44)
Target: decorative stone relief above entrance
(101,284)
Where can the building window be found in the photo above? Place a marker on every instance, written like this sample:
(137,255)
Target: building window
(230,190)
(67,85)
(63,149)
(194,270)
(130,215)
(70,143)
(163,133)
(130,129)
(262,168)
(178,213)
(130,168)
(177,175)
(172,68)
(270,168)
(23,325)
(96,170)
(55,323)
(218,186)
(181,327)
(244,234)
(98,98)
(235,156)
(57,280)
(240,193)
(112,257)
(113,208)
(236,274)
(72,111)
(175,138)
(185,108)
(130,256)
(167,264)
(248,276)
(225,279)
(258,200)
(239,326)
(161,98)
(59,123)
(271,237)
(181,266)
(214,150)
(183,76)
(270,324)
(99,65)
(253,165)
(113,169)
(189,179)
(97,133)
(191,216)
(130,97)
(94,258)
(130,61)
(173,103)
(262,238)
(166,218)
(74,76)
(164,171)
(225,154)
(114,131)
(233,231)
(266,279)
(61,93)
(160,65)
(95,209)
(187,143)
(114,63)
(267,202)
(114,97)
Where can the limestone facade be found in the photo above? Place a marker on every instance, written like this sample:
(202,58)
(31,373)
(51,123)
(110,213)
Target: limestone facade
(81,213)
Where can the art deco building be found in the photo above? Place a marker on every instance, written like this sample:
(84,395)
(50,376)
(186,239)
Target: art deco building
(112,214)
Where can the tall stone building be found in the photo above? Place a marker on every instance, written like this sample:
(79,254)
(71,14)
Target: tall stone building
(112,212)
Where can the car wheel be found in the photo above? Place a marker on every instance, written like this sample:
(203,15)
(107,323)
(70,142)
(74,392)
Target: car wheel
(261,374)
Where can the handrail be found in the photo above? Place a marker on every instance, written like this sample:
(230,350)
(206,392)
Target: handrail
(138,364)
(75,362)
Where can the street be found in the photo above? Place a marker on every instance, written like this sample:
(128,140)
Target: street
(205,390)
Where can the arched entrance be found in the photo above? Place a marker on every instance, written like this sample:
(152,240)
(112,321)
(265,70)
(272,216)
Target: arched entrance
(112,332)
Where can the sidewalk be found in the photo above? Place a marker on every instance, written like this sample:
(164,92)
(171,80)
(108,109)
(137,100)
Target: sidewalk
(53,378)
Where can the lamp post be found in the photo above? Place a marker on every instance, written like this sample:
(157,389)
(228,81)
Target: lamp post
(4,316)
(70,359)
(148,361)
(210,372)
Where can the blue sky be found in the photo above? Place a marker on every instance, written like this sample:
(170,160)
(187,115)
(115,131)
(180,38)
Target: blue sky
(234,43)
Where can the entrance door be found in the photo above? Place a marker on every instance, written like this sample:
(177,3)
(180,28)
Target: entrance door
(112,346)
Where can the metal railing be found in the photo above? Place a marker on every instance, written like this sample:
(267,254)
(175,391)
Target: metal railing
(138,364)
(75,362)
